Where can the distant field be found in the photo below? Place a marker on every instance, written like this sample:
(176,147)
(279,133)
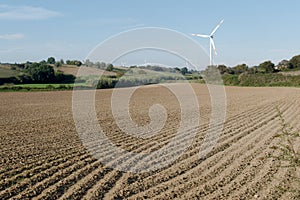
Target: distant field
(70,69)
(55,85)
(5,66)
(6,72)
(291,73)
(39,87)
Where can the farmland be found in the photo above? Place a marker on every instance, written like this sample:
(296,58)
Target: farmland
(7,72)
(42,156)
(69,69)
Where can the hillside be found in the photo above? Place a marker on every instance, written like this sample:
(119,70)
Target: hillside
(71,69)
(6,72)
(291,73)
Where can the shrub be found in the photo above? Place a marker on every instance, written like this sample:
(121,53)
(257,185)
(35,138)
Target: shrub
(289,154)
(230,79)
(41,73)
(50,87)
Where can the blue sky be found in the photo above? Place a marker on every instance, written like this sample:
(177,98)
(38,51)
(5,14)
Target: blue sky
(253,31)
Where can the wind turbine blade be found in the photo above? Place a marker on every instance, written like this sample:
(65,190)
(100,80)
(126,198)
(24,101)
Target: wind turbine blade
(199,35)
(218,26)
(213,45)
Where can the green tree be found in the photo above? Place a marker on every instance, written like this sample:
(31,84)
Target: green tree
(283,65)
(102,65)
(294,62)
(222,69)
(88,63)
(266,67)
(62,61)
(110,67)
(58,64)
(42,62)
(177,69)
(97,64)
(230,70)
(184,70)
(253,70)
(41,73)
(239,69)
(78,63)
(51,60)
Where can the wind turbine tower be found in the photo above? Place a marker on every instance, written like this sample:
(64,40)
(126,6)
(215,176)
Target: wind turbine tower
(211,41)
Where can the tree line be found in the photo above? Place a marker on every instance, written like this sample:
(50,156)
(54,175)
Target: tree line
(242,74)
(39,72)
(265,74)
(263,68)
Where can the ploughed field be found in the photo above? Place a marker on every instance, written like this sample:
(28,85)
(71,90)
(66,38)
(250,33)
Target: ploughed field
(42,156)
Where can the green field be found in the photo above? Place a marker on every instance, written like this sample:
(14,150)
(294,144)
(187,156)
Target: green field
(39,87)
(6,73)
(55,85)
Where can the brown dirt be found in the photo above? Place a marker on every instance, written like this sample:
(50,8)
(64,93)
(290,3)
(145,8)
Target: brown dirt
(70,69)
(5,66)
(42,156)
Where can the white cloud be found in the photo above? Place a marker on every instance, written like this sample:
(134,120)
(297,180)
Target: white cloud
(25,13)
(16,36)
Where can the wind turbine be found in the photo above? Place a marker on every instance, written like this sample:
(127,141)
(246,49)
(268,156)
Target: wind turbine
(211,41)
(123,64)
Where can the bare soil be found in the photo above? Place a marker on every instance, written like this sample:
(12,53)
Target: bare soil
(42,156)
(70,69)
